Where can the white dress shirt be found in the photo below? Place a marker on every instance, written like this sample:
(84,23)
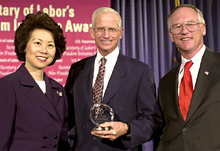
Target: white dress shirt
(194,68)
(109,66)
(42,85)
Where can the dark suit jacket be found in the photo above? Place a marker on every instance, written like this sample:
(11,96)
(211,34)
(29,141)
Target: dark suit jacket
(130,93)
(201,130)
(31,120)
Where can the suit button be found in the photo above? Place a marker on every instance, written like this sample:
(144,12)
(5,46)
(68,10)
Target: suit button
(56,137)
(185,129)
(55,146)
(44,146)
(44,137)
(95,138)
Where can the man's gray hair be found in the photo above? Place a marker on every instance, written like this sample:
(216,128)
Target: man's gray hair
(198,12)
(105,10)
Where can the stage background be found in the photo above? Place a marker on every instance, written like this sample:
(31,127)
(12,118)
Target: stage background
(145,38)
(73,16)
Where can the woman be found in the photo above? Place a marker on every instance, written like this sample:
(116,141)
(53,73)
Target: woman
(33,107)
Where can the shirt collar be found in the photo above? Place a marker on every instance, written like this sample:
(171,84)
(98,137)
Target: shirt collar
(112,56)
(196,59)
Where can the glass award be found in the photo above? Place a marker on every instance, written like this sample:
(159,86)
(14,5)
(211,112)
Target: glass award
(101,113)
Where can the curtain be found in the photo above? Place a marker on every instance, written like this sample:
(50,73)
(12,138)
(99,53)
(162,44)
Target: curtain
(146,36)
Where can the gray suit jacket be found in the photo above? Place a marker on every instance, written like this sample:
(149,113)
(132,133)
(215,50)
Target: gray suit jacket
(201,130)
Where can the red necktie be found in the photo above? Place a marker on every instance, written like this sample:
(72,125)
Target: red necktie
(186,90)
(98,86)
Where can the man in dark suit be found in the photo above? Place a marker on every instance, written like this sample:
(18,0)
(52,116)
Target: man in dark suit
(129,89)
(191,111)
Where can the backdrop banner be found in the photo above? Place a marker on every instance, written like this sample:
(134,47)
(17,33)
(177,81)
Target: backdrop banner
(73,16)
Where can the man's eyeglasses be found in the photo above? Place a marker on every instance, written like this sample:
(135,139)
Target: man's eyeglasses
(190,26)
(101,30)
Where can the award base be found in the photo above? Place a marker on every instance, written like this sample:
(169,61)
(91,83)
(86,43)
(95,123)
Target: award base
(98,128)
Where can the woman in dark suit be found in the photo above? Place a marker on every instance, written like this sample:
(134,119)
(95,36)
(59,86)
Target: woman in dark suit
(33,107)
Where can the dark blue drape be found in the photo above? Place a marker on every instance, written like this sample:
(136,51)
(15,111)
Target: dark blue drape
(146,36)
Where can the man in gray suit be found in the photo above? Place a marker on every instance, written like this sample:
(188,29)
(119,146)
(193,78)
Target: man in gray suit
(192,115)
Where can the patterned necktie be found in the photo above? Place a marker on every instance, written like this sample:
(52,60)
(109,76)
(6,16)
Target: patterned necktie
(186,90)
(98,86)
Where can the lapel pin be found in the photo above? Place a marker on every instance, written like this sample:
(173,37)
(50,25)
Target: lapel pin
(206,72)
(59,93)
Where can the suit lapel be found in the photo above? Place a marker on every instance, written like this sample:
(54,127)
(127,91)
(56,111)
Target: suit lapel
(117,78)
(176,93)
(173,85)
(53,92)
(32,90)
(205,74)
(87,80)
